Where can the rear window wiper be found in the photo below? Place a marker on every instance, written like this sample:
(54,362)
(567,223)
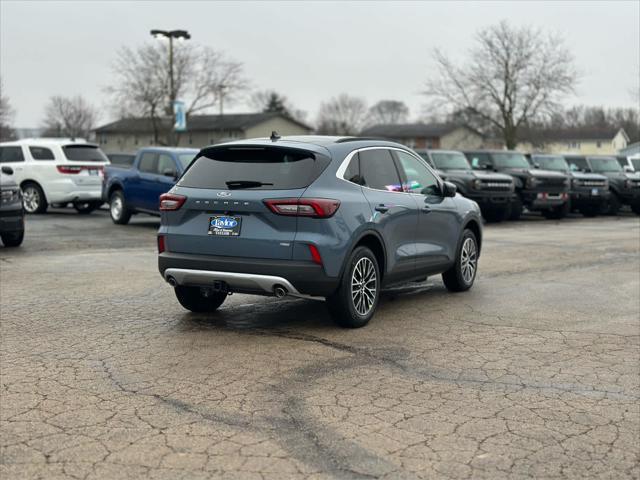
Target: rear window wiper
(233,184)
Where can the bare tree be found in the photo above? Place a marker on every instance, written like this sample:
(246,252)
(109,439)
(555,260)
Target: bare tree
(342,115)
(272,101)
(69,117)
(512,76)
(388,112)
(6,116)
(203,77)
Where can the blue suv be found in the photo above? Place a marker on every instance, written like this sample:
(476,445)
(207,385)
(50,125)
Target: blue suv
(314,217)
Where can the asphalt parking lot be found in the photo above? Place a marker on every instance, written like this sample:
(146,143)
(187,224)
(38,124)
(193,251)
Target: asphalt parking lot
(534,373)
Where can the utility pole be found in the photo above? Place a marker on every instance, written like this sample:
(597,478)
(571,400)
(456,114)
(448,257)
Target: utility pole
(171,34)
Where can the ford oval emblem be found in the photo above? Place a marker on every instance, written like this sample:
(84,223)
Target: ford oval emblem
(224,194)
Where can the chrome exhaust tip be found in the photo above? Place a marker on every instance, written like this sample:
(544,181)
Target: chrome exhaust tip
(172,281)
(279,291)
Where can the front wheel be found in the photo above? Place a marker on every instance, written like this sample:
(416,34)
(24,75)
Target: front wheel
(86,207)
(495,215)
(462,274)
(355,301)
(557,213)
(613,205)
(199,300)
(13,239)
(515,209)
(33,198)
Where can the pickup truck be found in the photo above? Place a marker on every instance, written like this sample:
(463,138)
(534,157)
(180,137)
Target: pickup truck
(136,188)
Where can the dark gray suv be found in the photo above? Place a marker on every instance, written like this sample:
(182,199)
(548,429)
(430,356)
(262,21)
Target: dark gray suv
(314,217)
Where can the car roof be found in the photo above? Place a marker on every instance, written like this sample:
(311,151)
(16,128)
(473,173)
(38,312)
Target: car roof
(437,150)
(47,142)
(492,151)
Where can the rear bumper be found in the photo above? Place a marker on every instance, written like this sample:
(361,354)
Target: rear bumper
(68,191)
(11,221)
(242,275)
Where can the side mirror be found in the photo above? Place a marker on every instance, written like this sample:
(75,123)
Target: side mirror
(7,170)
(169,172)
(627,169)
(536,165)
(449,189)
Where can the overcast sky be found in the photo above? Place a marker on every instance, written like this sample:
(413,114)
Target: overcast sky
(308,51)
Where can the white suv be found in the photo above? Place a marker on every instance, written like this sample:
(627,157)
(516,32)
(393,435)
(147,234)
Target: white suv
(56,171)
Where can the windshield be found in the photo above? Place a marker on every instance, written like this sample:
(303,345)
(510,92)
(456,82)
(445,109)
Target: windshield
(258,168)
(450,161)
(84,153)
(606,164)
(550,163)
(510,160)
(185,159)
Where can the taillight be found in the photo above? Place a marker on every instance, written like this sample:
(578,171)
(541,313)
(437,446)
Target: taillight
(303,207)
(161,246)
(315,254)
(68,170)
(171,201)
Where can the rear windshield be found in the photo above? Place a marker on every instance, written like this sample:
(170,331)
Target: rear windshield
(259,168)
(450,161)
(84,153)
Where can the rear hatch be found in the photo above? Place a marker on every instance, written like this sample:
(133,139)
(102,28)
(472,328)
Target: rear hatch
(85,164)
(225,213)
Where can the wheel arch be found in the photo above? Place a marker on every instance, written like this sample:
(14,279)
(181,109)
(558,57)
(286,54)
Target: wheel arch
(27,181)
(374,241)
(474,225)
(112,188)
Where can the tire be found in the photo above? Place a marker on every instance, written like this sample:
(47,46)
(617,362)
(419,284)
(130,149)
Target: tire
(354,309)
(13,239)
(590,210)
(86,207)
(613,205)
(462,274)
(196,300)
(120,214)
(495,215)
(557,213)
(515,210)
(33,198)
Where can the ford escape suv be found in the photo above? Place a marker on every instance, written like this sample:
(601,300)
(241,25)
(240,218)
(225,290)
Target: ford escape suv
(314,217)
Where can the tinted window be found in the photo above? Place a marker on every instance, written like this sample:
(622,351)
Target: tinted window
(165,163)
(11,154)
(479,161)
(148,162)
(577,164)
(378,170)
(84,153)
(41,153)
(418,177)
(352,173)
(262,168)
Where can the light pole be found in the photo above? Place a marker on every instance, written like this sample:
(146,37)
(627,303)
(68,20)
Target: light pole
(171,34)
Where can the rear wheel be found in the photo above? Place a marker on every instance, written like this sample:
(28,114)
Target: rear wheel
(355,301)
(12,239)
(199,300)
(118,210)
(86,207)
(33,198)
(462,274)
(515,210)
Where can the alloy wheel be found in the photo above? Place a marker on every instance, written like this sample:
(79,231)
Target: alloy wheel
(31,199)
(116,207)
(364,286)
(468,260)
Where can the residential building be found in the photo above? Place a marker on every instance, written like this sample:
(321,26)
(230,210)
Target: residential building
(581,141)
(129,134)
(447,136)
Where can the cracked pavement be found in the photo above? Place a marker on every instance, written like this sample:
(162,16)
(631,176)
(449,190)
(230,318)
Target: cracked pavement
(535,373)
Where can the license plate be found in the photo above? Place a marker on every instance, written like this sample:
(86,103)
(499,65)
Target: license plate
(595,192)
(94,172)
(225,226)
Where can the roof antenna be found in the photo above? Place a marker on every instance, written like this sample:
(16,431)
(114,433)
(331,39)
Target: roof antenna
(274,136)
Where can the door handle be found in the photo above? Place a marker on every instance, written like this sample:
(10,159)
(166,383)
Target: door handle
(382,208)
(426,209)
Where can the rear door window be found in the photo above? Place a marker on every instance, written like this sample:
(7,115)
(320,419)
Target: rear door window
(256,168)
(379,171)
(41,153)
(148,163)
(352,173)
(11,154)
(84,153)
